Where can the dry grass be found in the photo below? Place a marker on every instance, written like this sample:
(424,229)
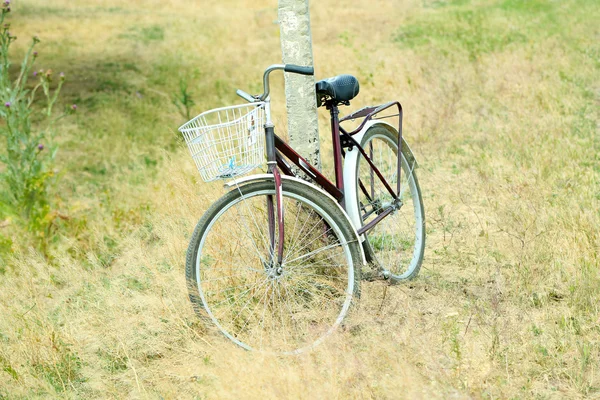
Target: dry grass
(501,102)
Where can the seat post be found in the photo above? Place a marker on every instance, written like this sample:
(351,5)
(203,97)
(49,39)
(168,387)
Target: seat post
(337,147)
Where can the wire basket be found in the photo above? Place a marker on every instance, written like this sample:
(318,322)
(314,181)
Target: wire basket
(227,142)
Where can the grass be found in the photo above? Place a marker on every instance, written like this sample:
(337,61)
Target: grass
(502,112)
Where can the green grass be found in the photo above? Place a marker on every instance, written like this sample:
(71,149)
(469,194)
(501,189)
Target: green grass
(391,242)
(145,34)
(479,28)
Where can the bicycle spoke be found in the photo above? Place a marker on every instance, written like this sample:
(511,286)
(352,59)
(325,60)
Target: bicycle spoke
(265,240)
(300,232)
(314,252)
(322,236)
(253,311)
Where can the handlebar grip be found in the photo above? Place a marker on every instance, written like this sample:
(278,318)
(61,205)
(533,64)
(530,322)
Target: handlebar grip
(297,69)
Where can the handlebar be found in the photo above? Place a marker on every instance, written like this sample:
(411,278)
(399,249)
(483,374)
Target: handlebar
(291,68)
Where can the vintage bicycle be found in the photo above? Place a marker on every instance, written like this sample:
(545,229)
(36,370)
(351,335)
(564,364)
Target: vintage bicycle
(275,263)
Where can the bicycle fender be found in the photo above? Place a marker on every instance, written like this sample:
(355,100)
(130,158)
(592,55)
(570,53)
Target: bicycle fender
(350,161)
(269,177)
(410,158)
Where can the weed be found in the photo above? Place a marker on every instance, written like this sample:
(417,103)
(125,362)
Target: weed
(582,379)
(183,100)
(115,360)
(63,368)
(451,332)
(29,154)
(7,367)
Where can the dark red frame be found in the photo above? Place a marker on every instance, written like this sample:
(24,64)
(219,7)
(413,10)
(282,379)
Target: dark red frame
(341,139)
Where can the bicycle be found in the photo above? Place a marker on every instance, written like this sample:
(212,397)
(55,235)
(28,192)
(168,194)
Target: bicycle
(275,263)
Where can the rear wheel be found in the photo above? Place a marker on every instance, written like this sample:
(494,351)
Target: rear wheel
(235,281)
(397,243)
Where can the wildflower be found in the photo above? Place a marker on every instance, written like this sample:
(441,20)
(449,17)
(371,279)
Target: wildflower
(74,107)
(40,147)
(7,104)
(48,73)
(35,73)
(62,76)
(6,3)
(35,54)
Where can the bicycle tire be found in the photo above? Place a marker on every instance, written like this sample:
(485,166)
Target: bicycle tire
(397,243)
(306,302)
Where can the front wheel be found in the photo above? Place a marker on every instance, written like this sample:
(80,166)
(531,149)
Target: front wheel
(235,281)
(397,243)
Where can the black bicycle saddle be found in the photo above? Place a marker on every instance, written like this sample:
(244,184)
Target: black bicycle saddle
(340,89)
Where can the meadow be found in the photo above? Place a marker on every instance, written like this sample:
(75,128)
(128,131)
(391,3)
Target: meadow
(502,111)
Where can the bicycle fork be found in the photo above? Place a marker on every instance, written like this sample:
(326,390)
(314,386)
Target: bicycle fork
(275,206)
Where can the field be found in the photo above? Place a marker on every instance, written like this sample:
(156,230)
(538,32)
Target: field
(502,110)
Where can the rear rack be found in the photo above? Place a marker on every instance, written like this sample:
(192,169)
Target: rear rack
(370,113)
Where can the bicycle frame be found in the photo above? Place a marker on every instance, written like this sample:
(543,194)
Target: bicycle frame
(342,140)
(278,151)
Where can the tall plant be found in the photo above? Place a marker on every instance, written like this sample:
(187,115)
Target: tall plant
(26,160)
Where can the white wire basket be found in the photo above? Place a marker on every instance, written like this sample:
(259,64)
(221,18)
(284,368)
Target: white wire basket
(227,142)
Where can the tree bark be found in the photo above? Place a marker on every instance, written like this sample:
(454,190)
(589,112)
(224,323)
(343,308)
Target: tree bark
(296,48)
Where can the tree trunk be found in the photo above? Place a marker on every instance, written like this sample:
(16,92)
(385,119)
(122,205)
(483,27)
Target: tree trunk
(296,47)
